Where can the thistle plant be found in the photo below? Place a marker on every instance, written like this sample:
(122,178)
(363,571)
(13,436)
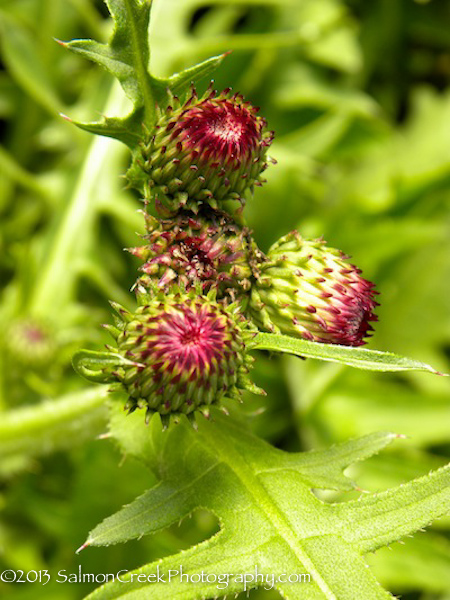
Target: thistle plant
(208,314)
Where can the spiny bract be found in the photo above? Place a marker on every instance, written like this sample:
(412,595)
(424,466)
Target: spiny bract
(308,290)
(205,151)
(186,352)
(209,250)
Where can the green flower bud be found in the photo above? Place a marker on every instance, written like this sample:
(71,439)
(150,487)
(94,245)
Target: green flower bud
(209,250)
(31,343)
(177,353)
(205,151)
(308,290)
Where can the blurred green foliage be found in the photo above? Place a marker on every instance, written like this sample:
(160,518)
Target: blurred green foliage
(358,95)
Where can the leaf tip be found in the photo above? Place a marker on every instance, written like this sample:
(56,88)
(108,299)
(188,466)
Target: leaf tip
(83,546)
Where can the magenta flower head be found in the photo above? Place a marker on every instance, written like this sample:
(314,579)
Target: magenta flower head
(309,290)
(209,250)
(179,353)
(205,151)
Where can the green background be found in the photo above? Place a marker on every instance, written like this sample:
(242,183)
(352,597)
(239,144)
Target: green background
(358,95)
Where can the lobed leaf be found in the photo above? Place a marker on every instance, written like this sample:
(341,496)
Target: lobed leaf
(179,81)
(378,520)
(269,518)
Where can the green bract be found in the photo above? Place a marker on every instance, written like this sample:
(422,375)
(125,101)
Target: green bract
(178,352)
(205,151)
(309,290)
(209,250)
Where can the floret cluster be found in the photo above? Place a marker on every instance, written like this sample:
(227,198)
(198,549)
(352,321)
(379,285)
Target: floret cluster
(205,288)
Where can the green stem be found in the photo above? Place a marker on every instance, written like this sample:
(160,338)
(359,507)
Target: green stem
(52,425)
(55,286)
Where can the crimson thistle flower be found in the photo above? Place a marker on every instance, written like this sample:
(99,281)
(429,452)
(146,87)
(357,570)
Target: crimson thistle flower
(205,151)
(308,290)
(181,352)
(208,249)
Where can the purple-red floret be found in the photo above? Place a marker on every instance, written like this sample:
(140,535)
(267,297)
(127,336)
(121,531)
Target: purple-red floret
(183,353)
(309,290)
(207,250)
(204,152)
(222,129)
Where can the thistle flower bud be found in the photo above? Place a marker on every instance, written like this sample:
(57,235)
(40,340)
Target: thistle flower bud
(210,250)
(308,290)
(181,352)
(31,342)
(205,151)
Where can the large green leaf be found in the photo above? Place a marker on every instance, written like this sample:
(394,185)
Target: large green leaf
(269,518)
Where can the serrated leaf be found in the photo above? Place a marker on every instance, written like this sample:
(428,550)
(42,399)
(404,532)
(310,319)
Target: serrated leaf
(350,581)
(378,520)
(127,54)
(269,518)
(174,498)
(156,509)
(127,57)
(362,358)
(178,82)
(127,130)
(324,468)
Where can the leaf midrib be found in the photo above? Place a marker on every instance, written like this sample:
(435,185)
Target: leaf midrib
(262,498)
(141,69)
